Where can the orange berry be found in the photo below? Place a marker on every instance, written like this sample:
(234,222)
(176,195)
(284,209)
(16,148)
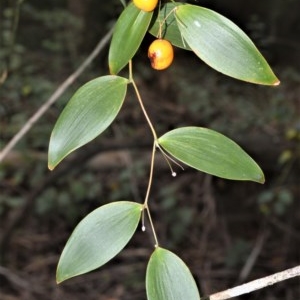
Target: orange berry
(146,5)
(161,54)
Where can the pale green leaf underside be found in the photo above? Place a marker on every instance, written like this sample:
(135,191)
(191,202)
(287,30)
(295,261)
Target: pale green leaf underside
(165,26)
(89,112)
(168,278)
(223,45)
(211,152)
(129,32)
(99,237)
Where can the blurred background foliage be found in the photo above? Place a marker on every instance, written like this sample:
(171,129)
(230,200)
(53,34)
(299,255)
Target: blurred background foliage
(213,224)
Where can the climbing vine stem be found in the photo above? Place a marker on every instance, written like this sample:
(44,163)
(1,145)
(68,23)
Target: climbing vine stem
(152,227)
(155,144)
(150,175)
(141,102)
(146,206)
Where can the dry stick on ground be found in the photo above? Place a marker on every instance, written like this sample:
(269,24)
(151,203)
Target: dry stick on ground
(253,256)
(19,282)
(59,91)
(255,285)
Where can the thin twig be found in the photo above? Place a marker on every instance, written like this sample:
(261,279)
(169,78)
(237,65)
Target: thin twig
(253,257)
(59,91)
(19,282)
(141,102)
(255,284)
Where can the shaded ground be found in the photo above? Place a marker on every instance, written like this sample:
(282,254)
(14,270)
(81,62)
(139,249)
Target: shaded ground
(217,241)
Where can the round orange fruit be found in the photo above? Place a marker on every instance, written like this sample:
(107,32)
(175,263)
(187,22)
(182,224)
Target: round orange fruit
(146,5)
(161,54)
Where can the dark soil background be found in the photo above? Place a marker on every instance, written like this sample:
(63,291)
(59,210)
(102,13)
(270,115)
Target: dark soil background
(227,232)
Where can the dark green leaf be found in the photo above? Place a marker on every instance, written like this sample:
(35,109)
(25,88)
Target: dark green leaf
(223,45)
(90,111)
(165,26)
(99,237)
(211,152)
(129,32)
(168,278)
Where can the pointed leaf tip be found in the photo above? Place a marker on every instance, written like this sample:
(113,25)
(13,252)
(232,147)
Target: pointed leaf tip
(51,168)
(211,152)
(223,45)
(89,112)
(99,237)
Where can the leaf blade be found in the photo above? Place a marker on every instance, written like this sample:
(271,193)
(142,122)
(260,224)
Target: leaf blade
(223,45)
(99,237)
(129,32)
(211,152)
(168,277)
(165,25)
(89,112)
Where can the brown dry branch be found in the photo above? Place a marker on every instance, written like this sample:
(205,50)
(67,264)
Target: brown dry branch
(255,284)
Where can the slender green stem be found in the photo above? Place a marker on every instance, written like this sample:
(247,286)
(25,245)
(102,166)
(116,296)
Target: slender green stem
(152,227)
(141,102)
(162,22)
(155,144)
(167,16)
(130,71)
(146,207)
(169,159)
(150,175)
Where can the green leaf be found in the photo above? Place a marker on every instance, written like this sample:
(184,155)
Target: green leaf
(211,152)
(168,278)
(89,112)
(99,237)
(129,32)
(165,26)
(223,45)
(123,2)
